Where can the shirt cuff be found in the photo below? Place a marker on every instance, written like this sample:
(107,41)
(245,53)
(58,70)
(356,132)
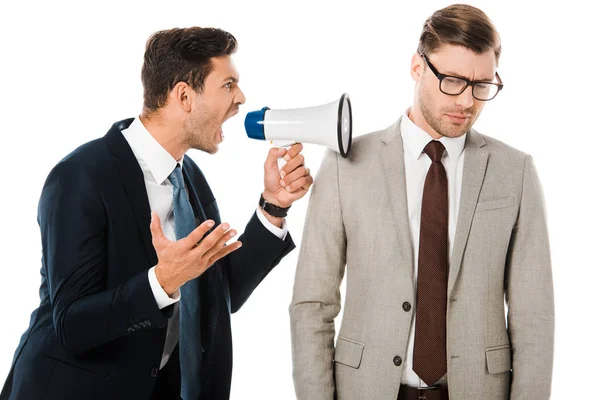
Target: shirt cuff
(162,298)
(281,233)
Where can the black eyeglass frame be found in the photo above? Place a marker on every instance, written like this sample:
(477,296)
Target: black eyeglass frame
(441,77)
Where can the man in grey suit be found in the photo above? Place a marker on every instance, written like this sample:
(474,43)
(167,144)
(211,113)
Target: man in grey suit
(442,232)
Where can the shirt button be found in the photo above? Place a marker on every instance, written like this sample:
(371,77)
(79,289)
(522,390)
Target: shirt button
(203,349)
(406,306)
(154,372)
(397,361)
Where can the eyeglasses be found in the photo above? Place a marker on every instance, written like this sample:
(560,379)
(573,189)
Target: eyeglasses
(454,85)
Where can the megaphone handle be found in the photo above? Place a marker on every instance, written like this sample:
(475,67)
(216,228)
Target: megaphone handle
(282,143)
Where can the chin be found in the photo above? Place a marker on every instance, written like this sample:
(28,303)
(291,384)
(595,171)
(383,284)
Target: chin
(213,150)
(455,131)
(207,149)
(210,150)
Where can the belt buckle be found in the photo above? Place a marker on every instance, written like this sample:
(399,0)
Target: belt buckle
(422,391)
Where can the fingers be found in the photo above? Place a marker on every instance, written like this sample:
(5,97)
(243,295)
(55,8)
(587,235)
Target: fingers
(220,243)
(300,184)
(310,180)
(295,175)
(273,155)
(220,232)
(291,165)
(158,237)
(197,234)
(223,252)
(293,151)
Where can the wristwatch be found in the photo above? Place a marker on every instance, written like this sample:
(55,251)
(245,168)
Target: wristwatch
(272,209)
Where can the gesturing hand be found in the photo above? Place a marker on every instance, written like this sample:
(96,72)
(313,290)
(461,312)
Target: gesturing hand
(188,258)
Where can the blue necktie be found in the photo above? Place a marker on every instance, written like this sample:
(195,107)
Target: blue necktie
(190,353)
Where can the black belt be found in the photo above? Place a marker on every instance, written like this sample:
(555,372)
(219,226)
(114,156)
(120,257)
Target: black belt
(428,393)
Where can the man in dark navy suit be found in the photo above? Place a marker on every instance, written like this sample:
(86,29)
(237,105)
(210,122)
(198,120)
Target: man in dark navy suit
(138,281)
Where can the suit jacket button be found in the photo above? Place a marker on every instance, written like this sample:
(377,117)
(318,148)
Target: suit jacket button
(397,361)
(154,372)
(406,306)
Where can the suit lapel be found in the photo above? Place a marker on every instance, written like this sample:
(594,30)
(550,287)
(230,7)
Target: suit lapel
(475,164)
(392,159)
(132,177)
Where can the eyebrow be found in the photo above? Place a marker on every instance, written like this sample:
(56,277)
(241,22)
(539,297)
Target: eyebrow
(463,77)
(232,78)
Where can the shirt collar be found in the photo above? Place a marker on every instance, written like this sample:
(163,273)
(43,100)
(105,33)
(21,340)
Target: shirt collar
(415,139)
(159,161)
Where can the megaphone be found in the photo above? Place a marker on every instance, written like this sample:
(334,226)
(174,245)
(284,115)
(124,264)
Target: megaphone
(329,124)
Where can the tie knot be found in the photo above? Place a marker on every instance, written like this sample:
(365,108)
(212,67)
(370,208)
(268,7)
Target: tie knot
(176,178)
(435,150)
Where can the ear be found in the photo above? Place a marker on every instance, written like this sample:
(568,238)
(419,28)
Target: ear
(183,95)
(417,66)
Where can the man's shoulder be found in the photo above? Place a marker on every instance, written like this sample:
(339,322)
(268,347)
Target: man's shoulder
(93,156)
(96,151)
(369,139)
(84,151)
(366,146)
(503,151)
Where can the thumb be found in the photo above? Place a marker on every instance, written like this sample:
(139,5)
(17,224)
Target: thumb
(274,154)
(158,237)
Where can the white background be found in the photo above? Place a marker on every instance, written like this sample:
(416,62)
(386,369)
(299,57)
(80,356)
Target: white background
(68,71)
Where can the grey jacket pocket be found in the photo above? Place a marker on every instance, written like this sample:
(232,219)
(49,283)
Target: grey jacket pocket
(348,352)
(494,204)
(498,358)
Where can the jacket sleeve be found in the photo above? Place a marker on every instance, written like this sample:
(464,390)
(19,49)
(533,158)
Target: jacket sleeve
(246,267)
(316,299)
(530,295)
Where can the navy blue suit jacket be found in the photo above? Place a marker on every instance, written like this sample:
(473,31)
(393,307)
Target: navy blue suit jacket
(98,332)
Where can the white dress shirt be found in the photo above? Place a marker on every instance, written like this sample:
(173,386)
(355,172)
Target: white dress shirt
(157,164)
(417,164)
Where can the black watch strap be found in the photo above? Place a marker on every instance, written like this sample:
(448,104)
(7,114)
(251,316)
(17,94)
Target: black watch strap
(272,209)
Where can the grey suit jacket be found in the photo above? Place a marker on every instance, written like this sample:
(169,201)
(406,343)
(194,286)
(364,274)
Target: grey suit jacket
(357,222)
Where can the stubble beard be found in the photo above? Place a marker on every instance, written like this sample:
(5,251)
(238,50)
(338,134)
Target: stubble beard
(446,129)
(198,137)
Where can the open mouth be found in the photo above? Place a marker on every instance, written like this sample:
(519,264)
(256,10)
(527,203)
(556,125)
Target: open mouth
(220,134)
(229,115)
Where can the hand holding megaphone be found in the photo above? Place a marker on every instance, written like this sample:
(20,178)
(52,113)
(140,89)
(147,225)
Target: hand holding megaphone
(329,124)
(282,144)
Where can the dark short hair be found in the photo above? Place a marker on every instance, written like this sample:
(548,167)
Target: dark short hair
(181,55)
(462,25)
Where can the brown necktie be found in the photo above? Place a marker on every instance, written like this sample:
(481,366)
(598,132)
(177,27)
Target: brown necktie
(429,357)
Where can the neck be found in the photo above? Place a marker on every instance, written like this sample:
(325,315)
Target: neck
(416,116)
(165,132)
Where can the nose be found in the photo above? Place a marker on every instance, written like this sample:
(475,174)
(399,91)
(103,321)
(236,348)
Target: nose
(465,99)
(240,97)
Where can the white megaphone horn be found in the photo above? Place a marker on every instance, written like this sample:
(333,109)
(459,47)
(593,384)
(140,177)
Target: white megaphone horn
(329,124)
